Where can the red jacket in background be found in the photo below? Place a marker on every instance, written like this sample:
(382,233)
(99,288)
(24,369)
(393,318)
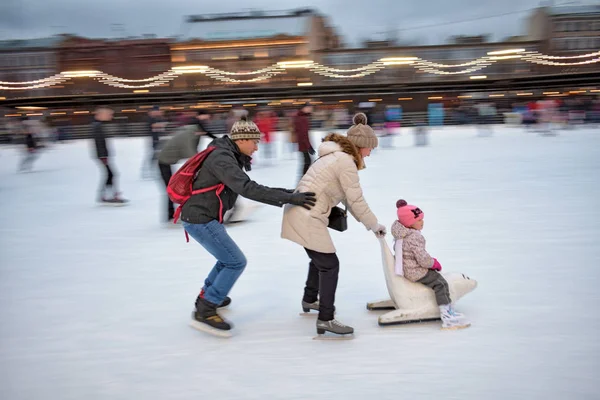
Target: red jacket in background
(266,126)
(301,128)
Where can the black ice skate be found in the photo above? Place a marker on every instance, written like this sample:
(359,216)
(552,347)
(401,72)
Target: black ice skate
(335,327)
(226,301)
(206,319)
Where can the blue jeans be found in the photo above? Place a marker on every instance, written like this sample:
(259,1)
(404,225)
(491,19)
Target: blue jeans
(230,259)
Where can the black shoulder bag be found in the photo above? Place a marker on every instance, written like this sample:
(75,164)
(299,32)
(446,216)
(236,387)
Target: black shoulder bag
(338,219)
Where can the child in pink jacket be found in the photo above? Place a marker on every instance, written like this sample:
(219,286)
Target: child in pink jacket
(419,266)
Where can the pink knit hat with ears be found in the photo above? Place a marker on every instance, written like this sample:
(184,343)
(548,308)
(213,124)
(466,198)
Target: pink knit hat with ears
(408,214)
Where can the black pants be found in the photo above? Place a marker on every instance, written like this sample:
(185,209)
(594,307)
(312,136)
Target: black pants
(166,172)
(307,162)
(321,283)
(107,183)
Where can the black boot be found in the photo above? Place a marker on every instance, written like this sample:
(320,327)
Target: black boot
(226,301)
(206,313)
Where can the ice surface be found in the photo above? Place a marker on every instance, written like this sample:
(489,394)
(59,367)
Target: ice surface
(95,302)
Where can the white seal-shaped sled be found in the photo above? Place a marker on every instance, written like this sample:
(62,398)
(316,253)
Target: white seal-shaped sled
(412,302)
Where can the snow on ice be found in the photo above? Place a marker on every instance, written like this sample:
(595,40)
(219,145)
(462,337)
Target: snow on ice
(95,302)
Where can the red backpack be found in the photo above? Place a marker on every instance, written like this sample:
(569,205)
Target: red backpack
(180,187)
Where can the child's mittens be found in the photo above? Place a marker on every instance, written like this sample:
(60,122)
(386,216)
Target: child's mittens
(436,265)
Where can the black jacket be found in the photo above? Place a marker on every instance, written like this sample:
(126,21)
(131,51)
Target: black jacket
(225,165)
(204,129)
(99,136)
(154,133)
(30,141)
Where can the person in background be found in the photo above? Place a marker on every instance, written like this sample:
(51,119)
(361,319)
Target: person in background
(182,145)
(266,122)
(203,120)
(302,132)
(156,127)
(108,193)
(30,145)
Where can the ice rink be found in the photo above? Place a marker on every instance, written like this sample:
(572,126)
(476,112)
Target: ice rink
(95,301)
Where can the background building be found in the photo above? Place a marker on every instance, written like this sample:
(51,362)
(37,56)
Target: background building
(130,58)
(566,29)
(447,54)
(244,42)
(29,60)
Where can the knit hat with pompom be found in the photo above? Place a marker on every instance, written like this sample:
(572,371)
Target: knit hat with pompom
(244,129)
(361,134)
(408,214)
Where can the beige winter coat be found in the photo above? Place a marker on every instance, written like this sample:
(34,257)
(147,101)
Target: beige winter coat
(415,259)
(334,179)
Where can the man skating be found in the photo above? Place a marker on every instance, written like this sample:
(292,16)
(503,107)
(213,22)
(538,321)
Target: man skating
(202,217)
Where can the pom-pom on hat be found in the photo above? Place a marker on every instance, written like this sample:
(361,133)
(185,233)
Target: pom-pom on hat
(244,129)
(361,134)
(408,214)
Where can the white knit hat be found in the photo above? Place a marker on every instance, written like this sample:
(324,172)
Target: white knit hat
(244,129)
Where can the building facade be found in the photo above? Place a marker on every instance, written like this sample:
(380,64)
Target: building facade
(246,42)
(446,54)
(29,60)
(566,30)
(133,58)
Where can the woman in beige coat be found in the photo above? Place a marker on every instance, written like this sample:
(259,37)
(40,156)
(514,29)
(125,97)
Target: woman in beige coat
(334,179)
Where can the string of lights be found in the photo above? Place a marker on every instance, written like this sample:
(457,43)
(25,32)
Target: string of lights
(431,70)
(281,67)
(556,64)
(257,72)
(540,55)
(430,64)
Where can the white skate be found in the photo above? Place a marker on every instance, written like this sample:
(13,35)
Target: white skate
(451,319)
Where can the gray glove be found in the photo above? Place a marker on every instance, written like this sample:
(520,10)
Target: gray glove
(290,191)
(304,199)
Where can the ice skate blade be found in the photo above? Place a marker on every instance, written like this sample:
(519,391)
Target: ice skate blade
(455,328)
(381,305)
(112,204)
(172,226)
(411,321)
(199,326)
(334,336)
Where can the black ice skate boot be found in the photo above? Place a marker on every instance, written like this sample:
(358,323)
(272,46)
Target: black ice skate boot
(226,301)
(208,320)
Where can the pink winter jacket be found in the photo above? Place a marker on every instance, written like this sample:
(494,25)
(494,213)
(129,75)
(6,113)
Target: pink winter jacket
(415,259)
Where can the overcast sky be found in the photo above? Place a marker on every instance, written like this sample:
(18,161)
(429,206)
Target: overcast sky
(429,21)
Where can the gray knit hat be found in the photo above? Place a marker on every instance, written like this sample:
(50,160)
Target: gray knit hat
(361,134)
(244,129)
